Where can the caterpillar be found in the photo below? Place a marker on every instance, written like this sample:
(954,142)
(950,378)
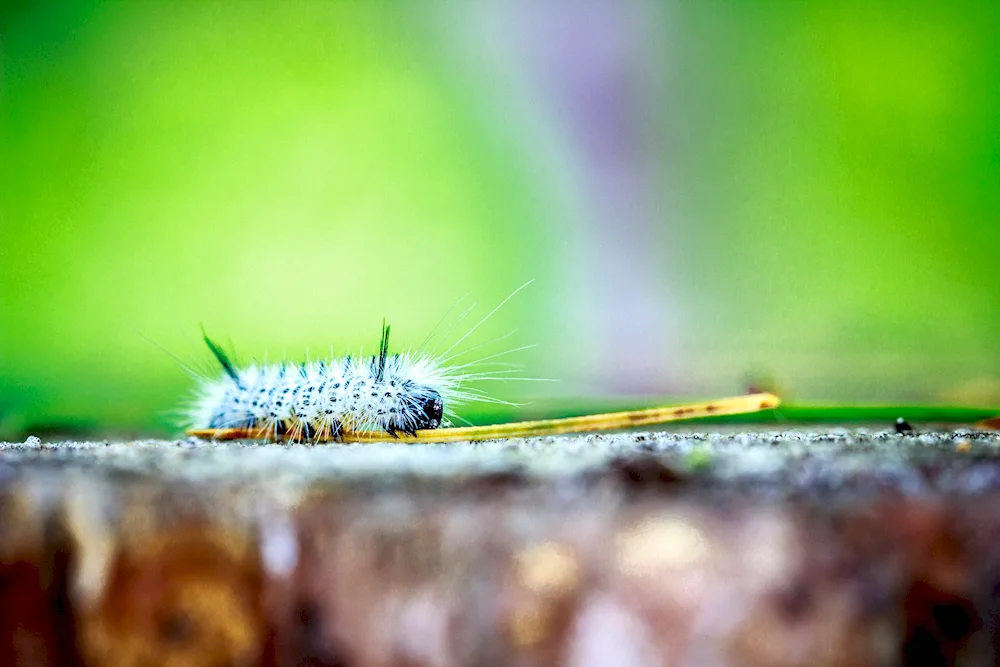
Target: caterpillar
(387,393)
(393,393)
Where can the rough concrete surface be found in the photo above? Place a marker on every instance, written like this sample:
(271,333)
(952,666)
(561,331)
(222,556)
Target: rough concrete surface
(819,546)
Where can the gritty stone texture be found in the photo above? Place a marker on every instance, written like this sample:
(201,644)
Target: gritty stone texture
(802,547)
(811,462)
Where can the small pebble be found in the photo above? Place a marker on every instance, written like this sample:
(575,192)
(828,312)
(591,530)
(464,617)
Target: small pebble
(33,441)
(903,427)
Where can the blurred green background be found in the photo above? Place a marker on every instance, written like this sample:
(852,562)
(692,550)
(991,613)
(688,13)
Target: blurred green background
(708,195)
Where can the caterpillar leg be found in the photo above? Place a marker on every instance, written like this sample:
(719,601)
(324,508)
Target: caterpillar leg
(329,431)
(298,432)
(394,431)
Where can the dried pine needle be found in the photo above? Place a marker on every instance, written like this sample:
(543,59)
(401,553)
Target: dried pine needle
(585,424)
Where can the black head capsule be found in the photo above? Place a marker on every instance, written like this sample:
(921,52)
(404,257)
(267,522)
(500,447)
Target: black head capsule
(419,414)
(432,411)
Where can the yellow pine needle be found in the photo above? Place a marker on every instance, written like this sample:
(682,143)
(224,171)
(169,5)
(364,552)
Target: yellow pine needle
(589,423)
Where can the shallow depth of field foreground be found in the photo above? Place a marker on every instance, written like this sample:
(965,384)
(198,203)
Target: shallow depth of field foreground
(805,546)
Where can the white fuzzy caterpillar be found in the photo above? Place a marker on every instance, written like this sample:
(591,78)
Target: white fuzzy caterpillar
(319,400)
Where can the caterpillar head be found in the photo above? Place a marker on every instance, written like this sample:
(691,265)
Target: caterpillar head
(431,410)
(424,410)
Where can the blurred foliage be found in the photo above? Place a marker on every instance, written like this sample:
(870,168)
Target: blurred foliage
(289,174)
(849,154)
